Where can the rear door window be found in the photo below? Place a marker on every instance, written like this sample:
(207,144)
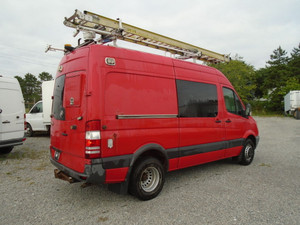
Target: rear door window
(58,108)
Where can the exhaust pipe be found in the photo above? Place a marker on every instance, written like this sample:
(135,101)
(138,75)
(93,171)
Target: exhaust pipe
(61,175)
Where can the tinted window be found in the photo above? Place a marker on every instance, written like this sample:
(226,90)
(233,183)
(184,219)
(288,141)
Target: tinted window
(58,109)
(232,102)
(197,99)
(38,108)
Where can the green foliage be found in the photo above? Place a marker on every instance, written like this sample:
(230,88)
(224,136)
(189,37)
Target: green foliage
(241,75)
(31,87)
(269,84)
(44,76)
(281,75)
(294,64)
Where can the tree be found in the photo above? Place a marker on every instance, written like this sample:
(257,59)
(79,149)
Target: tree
(241,75)
(294,64)
(278,58)
(31,87)
(277,72)
(32,90)
(45,76)
(281,75)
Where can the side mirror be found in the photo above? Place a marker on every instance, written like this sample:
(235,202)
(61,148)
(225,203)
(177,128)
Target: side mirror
(248,110)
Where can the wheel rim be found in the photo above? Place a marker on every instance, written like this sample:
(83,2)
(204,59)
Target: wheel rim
(249,152)
(28,130)
(149,179)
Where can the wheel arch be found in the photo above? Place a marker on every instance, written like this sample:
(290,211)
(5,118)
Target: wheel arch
(152,150)
(253,139)
(252,136)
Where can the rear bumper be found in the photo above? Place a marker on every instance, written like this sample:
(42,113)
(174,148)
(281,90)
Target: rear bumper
(12,142)
(94,174)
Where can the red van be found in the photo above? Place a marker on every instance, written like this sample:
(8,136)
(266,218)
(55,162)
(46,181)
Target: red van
(125,118)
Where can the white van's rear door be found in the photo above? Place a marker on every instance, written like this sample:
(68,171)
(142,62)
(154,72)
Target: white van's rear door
(12,110)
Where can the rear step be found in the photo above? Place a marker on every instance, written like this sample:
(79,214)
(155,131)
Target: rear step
(61,175)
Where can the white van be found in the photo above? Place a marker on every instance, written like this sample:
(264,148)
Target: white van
(38,118)
(12,114)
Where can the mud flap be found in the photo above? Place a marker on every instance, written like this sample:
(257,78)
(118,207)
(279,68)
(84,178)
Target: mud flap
(119,188)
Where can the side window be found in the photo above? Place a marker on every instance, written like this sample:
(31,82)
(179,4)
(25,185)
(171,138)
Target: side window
(232,102)
(38,108)
(197,99)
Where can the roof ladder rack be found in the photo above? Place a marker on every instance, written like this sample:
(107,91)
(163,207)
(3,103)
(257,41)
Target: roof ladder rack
(110,30)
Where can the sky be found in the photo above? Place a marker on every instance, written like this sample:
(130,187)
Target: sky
(252,29)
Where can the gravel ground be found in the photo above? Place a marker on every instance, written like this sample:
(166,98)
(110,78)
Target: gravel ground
(266,192)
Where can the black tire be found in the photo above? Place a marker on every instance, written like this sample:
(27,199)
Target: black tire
(29,131)
(147,179)
(6,150)
(297,114)
(247,154)
(48,129)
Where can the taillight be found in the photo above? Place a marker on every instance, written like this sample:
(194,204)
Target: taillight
(92,139)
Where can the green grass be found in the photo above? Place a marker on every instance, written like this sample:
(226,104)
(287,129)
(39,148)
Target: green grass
(266,113)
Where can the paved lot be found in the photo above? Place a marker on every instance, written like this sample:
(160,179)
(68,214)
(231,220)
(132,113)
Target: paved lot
(266,192)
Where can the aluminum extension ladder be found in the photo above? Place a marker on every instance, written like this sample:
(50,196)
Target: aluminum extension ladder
(111,30)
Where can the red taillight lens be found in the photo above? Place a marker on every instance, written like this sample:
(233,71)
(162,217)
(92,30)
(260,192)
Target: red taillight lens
(93,139)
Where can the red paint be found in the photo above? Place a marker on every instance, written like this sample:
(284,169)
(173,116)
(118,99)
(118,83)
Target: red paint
(115,175)
(138,84)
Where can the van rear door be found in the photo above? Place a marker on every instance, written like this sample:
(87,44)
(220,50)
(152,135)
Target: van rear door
(11,110)
(68,122)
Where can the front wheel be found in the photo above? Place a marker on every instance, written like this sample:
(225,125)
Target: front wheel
(247,154)
(147,179)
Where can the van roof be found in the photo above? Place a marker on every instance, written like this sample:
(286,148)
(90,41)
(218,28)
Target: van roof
(100,50)
(121,52)
(8,80)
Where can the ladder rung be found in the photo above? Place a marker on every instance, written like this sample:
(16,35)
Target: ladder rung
(115,28)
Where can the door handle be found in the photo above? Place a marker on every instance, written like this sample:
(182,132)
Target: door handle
(6,121)
(228,121)
(218,121)
(64,134)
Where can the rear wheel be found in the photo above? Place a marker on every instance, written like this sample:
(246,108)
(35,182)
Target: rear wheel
(6,150)
(147,179)
(247,154)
